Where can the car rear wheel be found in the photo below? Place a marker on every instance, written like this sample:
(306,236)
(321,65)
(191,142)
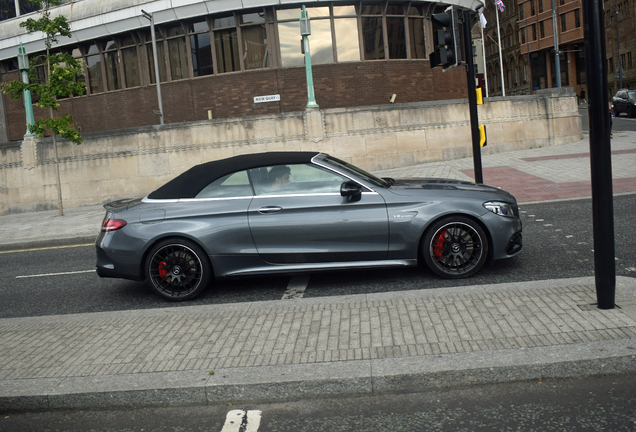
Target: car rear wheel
(455,247)
(178,269)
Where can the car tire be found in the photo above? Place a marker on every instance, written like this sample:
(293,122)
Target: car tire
(455,247)
(178,269)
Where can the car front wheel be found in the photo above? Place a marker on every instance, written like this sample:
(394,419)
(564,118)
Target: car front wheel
(178,269)
(455,247)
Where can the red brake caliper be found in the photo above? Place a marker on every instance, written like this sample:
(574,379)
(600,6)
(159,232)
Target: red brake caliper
(162,269)
(438,244)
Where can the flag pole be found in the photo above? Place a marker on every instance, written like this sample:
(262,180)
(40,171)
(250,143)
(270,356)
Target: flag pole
(482,20)
(503,85)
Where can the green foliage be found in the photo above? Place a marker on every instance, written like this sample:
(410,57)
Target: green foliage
(63,126)
(63,73)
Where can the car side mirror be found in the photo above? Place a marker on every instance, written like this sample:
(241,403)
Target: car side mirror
(351,189)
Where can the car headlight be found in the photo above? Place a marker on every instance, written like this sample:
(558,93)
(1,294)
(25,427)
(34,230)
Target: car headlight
(500,208)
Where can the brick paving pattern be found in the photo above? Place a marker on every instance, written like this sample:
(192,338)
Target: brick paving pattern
(305,331)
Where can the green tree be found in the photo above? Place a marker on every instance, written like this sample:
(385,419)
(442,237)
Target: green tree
(62,71)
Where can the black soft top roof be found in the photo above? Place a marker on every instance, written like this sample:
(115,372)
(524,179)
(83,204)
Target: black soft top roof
(191,182)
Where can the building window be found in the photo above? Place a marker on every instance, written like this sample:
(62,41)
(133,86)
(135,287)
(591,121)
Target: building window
(534,32)
(94,65)
(610,65)
(177,53)
(580,65)
(372,33)
(629,60)
(577,18)
(542,29)
(346,29)
(130,61)
(561,2)
(416,32)
(8,8)
(532,8)
(111,63)
(563,26)
(226,44)
(200,48)
(320,40)
(253,28)
(395,32)
(523,35)
(521,11)
(540,6)
(161,58)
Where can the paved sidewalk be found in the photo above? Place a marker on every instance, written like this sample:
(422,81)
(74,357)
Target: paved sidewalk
(304,348)
(332,346)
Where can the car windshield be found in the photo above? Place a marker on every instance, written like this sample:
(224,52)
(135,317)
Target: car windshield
(632,95)
(357,171)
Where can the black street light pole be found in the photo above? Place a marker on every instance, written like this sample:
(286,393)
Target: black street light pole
(600,153)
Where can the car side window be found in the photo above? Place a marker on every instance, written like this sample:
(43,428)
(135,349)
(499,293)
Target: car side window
(295,179)
(232,185)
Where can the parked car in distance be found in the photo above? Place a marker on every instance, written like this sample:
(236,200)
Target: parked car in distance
(625,102)
(291,212)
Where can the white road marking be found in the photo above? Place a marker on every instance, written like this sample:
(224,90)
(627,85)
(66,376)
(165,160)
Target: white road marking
(47,248)
(296,288)
(253,421)
(235,418)
(56,274)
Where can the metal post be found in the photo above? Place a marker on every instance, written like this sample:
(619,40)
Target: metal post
(600,153)
(483,48)
(23,65)
(557,67)
(151,18)
(472,101)
(619,71)
(305,31)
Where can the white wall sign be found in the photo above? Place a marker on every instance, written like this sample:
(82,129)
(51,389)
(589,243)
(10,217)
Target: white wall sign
(270,98)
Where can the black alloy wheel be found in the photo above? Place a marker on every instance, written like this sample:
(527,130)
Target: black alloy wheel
(455,247)
(178,269)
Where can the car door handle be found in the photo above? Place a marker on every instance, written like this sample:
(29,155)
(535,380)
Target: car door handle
(269,209)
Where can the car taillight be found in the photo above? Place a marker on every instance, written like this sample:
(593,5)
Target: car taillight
(112,224)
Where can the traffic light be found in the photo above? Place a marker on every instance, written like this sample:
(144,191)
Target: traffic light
(446,40)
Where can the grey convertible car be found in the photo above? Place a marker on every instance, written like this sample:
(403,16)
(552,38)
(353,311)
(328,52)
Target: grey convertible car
(286,212)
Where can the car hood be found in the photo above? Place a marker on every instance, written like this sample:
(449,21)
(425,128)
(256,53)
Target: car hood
(407,186)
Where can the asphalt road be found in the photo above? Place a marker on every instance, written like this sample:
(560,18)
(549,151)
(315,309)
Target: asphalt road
(558,244)
(590,404)
(620,123)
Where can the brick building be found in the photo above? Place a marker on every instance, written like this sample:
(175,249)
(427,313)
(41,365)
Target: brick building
(215,57)
(527,34)
(621,13)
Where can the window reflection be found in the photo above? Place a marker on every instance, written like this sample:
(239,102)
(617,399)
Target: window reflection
(347,42)
(94,66)
(417,39)
(373,38)
(163,74)
(178,58)
(289,37)
(320,42)
(395,37)
(131,67)
(255,54)
(201,54)
(111,61)
(227,53)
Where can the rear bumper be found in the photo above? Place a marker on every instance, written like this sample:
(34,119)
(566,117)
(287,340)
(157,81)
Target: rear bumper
(116,262)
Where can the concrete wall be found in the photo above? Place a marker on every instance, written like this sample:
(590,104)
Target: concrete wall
(133,162)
